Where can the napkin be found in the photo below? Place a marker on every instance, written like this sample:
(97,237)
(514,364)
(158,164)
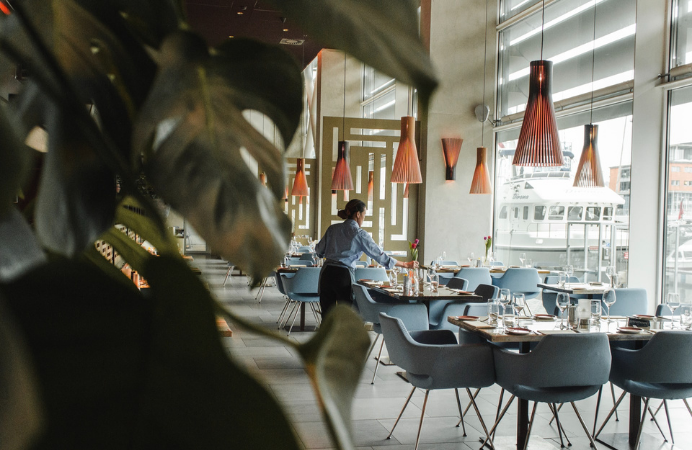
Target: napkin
(546,332)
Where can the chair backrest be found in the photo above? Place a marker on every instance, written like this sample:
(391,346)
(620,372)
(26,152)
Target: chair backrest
(446,263)
(487,291)
(413,315)
(497,264)
(306,256)
(520,280)
(458,283)
(371,273)
(666,358)
(553,279)
(664,310)
(629,301)
(299,262)
(305,281)
(304,249)
(361,264)
(279,280)
(475,276)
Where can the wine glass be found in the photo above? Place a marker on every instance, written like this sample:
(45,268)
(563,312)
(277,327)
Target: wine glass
(562,302)
(673,302)
(444,256)
(471,258)
(505,298)
(434,281)
(561,277)
(596,312)
(569,270)
(522,258)
(610,271)
(519,302)
(609,299)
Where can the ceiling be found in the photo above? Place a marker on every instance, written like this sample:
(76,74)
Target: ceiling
(216,20)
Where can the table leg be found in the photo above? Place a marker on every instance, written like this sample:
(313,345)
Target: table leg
(522,408)
(635,408)
(302,316)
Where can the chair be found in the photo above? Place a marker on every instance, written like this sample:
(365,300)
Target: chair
(547,374)
(475,276)
(414,315)
(299,262)
(432,359)
(303,287)
(438,321)
(549,297)
(280,287)
(231,266)
(520,280)
(362,264)
(629,301)
(306,257)
(660,370)
(304,249)
(458,283)
(371,273)
(497,264)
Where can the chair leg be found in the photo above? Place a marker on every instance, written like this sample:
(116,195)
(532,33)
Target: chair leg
(641,424)
(499,405)
(560,429)
(377,364)
(422,416)
(480,417)
(558,408)
(612,394)
(610,414)
(228,274)
(528,432)
(660,405)
(498,420)
(295,316)
(372,346)
(283,311)
(461,414)
(389,436)
(653,418)
(665,405)
(468,406)
(688,406)
(583,425)
(598,404)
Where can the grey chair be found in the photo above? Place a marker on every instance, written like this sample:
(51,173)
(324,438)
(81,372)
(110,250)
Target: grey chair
(454,308)
(433,360)
(547,374)
(371,273)
(520,280)
(629,301)
(303,287)
(414,315)
(458,283)
(306,256)
(549,297)
(436,308)
(475,276)
(361,264)
(660,370)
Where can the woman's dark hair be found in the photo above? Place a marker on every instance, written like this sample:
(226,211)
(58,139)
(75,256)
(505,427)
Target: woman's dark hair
(351,208)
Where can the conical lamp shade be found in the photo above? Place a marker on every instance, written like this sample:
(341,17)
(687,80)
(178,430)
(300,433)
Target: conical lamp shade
(481,179)
(341,180)
(406,167)
(300,184)
(589,172)
(371,184)
(406,190)
(450,149)
(263,179)
(539,143)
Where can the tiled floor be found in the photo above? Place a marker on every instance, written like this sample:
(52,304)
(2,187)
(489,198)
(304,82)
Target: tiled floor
(375,407)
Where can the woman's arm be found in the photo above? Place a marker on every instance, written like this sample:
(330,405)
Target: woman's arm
(370,248)
(408,264)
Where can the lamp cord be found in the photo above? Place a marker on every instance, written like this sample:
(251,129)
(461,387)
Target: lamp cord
(593,60)
(542,25)
(485,64)
(343,119)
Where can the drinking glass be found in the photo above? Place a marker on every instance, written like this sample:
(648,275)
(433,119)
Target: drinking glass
(522,258)
(444,256)
(673,302)
(434,281)
(686,317)
(562,302)
(471,258)
(509,319)
(393,278)
(610,271)
(529,262)
(505,298)
(562,278)
(595,312)
(493,312)
(609,299)
(519,302)
(569,271)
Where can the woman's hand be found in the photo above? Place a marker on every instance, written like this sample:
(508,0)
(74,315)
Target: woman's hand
(412,265)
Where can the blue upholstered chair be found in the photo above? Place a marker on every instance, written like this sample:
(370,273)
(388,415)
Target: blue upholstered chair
(660,370)
(445,276)
(306,256)
(548,297)
(280,287)
(361,264)
(433,360)
(475,276)
(304,249)
(303,287)
(298,262)
(414,315)
(520,280)
(629,301)
(438,321)
(436,308)
(371,273)
(547,374)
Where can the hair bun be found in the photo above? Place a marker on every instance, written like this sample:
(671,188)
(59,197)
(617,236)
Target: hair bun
(342,213)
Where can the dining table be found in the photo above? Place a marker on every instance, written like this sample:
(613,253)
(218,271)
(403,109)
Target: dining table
(426,296)
(494,270)
(591,290)
(538,328)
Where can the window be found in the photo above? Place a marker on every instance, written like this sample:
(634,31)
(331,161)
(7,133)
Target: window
(574,213)
(515,212)
(625,173)
(685,183)
(539,212)
(688,169)
(675,169)
(593,213)
(675,182)
(379,95)
(681,48)
(526,213)
(608,213)
(556,213)
(503,212)
(624,185)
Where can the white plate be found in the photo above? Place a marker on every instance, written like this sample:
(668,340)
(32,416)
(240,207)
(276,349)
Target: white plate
(518,331)
(629,330)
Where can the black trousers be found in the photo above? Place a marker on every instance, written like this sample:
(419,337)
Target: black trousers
(335,287)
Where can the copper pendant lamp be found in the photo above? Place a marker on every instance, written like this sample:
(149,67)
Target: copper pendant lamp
(450,149)
(539,143)
(300,183)
(371,184)
(341,180)
(406,166)
(263,179)
(589,172)
(481,178)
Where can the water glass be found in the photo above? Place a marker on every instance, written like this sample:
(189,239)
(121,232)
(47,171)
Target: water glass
(562,279)
(519,303)
(393,278)
(673,302)
(509,319)
(569,271)
(522,259)
(610,271)
(686,317)
(434,281)
(471,258)
(529,263)
(493,312)
(596,312)
(609,299)
(562,302)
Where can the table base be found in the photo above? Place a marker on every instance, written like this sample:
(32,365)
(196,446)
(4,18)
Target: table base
(510,443)
(620,441)
(385,361)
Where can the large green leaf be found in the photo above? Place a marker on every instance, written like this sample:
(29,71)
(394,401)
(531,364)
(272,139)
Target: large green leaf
(147,226)
(381,33)
(20,411)
(19,250)
(120,370)
(195,164)
(14,162)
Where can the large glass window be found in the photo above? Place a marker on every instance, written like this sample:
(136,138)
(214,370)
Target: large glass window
(678,209)
(681,40)
(568,41)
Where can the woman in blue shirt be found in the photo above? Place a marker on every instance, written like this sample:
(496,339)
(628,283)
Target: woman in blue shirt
(342,245)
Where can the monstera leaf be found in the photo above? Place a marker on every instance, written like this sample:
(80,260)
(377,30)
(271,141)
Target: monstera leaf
(14,162)
(192,142)
(381,33)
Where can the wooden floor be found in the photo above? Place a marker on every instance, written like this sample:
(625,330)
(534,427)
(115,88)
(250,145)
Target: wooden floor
(375,407)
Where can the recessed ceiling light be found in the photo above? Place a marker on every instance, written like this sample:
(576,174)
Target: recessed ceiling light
(230,37)
(285,29)
(240,13)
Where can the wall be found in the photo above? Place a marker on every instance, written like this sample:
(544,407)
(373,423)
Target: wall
(451,219)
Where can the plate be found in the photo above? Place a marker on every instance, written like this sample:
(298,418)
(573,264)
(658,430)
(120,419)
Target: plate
(467,317)
(629,330)
(644,316)
(544,317)
(518,331)
(365,280)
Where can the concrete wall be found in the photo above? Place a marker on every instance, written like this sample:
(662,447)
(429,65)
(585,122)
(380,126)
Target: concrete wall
(451,219)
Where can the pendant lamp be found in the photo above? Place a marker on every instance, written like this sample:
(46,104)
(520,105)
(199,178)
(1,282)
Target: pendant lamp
(371,184)
(481,178)
(450,150)
(406,190)
(341,180)
(539,143)
(300,183)
(263,179)
(406,167)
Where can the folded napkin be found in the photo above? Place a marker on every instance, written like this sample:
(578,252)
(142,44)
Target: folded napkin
(546,332)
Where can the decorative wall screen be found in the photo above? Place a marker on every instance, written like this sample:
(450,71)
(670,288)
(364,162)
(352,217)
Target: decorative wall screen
(391,219)
(302,212)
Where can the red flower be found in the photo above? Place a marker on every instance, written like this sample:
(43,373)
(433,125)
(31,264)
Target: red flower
(485,238)
(414,245)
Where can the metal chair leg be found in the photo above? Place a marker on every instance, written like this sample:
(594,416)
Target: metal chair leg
(499,419)
(480,417)
(583,425)
(558,408)
(291,313)
(461,414)
(665,439)
(422,416)
(598,404)
(295,316)
(377,364)
(560,429)
(283,311)
(660,405)
(528,432)
(688,406)
(228,274)
(499,405)
(665,405)
(372,346)
(389,436)
(612,393)
(468,406)
(641,424)
(610,414)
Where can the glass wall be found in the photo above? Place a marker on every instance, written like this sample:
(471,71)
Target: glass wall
(678,207)
(681,40)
